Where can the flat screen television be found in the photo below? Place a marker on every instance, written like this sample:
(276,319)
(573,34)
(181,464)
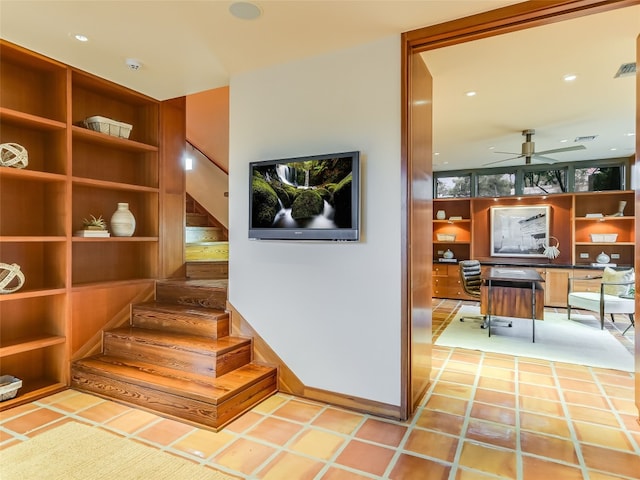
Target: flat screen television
(305,198)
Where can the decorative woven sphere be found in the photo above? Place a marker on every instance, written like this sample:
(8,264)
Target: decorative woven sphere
(11,278)
(13,155)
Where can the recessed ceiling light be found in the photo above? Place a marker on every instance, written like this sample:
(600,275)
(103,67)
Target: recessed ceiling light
(492,147)
(81,38)
(245,10)
(436,153)
(564,140)
(613,149)
(630,134)
(471,94)
(569,77)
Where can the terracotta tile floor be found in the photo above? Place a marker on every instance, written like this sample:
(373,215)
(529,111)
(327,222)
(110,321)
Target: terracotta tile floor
(485,416)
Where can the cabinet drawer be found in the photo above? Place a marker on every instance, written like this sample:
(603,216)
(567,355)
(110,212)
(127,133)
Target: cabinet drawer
(439,270)
(586,285)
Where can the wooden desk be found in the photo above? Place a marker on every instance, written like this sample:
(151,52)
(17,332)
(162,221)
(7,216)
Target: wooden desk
(512,292)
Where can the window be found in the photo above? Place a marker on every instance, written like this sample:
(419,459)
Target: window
(497,185)
(587,176)
(595,179)
(453,186)
(544,182)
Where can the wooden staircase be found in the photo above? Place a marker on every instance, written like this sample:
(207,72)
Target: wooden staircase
(206,243)
(177,358)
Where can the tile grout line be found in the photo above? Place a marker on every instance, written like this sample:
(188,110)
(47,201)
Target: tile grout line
(574,436)
(455,464)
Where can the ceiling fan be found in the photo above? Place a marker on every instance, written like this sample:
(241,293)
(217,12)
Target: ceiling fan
(529,153)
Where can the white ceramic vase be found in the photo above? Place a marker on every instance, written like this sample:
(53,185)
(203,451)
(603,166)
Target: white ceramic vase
(603,258)
(123,223)
(441,215)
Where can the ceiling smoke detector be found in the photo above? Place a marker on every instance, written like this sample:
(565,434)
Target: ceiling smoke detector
(133,64)
(626,70)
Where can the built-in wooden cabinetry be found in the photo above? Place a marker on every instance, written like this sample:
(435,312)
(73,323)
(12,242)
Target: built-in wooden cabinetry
(72,173)
(569,225)
(607,204)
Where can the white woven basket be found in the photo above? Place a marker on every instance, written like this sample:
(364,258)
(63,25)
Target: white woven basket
(10,274)
(13,155)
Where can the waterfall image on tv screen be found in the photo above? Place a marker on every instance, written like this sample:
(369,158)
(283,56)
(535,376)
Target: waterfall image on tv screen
(293,198)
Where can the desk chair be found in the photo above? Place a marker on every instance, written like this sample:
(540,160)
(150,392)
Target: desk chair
(471,279)
(615,296)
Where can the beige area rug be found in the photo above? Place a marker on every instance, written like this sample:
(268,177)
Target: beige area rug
(76,451)
(558,339)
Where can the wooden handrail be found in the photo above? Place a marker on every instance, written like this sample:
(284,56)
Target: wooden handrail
(195,147)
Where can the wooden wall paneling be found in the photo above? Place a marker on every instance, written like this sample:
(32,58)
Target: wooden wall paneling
(417,229)
(95,307)
(172,189)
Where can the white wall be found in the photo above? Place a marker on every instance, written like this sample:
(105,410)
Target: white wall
(330,310)
(207,184)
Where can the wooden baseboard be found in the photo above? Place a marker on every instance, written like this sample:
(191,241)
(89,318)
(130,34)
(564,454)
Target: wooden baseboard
(350,402)
(288,382)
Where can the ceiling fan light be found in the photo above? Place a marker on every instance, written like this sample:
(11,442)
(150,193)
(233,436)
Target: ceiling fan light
(570,77)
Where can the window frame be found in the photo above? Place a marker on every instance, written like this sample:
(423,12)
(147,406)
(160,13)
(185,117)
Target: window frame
(569,167)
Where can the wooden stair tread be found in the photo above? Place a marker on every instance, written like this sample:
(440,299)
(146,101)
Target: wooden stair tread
(178,309)
(178,341)
(177,382)
(206,284)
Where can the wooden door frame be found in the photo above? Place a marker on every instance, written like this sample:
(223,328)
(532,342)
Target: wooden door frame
(495,22)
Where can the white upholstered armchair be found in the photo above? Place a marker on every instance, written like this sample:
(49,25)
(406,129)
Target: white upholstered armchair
(616,295)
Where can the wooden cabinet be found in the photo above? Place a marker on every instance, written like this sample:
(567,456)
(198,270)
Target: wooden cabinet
(569,225)
(452,233)
(555,287)
(446,282)
(590,232)
(72,173)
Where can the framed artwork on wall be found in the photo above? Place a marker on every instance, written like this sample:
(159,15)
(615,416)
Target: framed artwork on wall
(519,231)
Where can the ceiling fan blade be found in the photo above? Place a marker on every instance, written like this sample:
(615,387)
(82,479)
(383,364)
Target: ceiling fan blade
(511,153)
(543,159)
(564,149)
(503,160)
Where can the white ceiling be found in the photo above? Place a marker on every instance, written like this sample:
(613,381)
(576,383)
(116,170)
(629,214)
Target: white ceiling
(519,82)
(191,46)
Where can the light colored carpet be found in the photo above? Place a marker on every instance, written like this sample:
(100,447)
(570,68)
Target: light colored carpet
(578,340)
(76,451)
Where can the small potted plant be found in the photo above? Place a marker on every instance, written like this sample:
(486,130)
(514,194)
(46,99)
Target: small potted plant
(94,223)
(93,227)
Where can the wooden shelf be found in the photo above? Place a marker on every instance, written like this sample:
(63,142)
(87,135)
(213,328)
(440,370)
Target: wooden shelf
(32,390)
(26,344)
(464,220)
(73,172)
(605,244)
(81,133)
(602,219)
(33,175)
(26,293)
(23,119)
(88,182)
